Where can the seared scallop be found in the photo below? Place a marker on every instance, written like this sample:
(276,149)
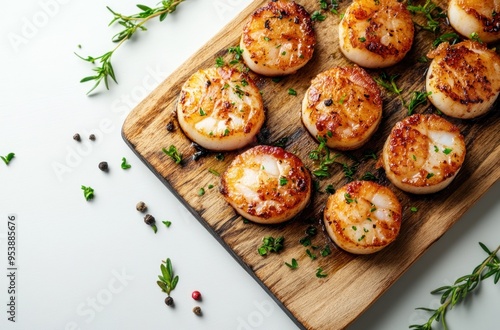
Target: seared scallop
(278,39)
(376,34)
(267,185)
(363,217)
(343,106)
(464,79)
(473,16)
(220,109)
(423,154)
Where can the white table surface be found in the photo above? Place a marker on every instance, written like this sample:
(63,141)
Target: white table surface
(93,265)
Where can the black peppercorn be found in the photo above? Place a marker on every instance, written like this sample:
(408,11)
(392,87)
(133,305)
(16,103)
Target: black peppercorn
(92,137)
(169,301)
(103,166)
(170,126)
(328,102)
(197,310)
(149,219)
(141,207)
(76,137)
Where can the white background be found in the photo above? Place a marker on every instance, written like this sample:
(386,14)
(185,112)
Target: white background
(93,265)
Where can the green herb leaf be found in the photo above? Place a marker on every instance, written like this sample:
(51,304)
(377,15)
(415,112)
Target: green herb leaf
(167,223)
(88,192)
(310,254)
(124,164)
(319,273)
(414,209)
(173,153)
(8,158)
(292,91)
(326,251)
(293,265)
(317,16)
(167,281)
(417,98)
(447,151)
(201,192)
(270,244)
(283,181)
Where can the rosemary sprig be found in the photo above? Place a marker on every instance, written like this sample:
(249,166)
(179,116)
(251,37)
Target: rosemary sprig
(167,281)
(454,294)
(131,24)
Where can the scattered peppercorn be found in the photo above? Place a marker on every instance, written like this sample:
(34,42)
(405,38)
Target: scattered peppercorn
(77,137)
(169,301)
(328,102)
(196,295)
(141,207)
(149,219)
(170,126)
(197,310)
(92,137)
(103,166)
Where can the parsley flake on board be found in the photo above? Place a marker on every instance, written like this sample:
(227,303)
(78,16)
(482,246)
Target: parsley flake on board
(271,244)
(88,192)
(124,164)
(6,159)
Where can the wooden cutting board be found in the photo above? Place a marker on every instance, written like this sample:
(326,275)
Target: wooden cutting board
(353,282)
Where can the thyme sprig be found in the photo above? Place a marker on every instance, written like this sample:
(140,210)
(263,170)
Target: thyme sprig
(451,295)
(131,24)
(432,12)
(167,281)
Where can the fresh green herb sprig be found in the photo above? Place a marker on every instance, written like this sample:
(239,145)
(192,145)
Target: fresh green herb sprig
(452,295)
(293,265)
(450,37)
(167,281)
(88,192)
(271,244)
(322,154)
(173,153)
(130,25)
(6,159)
(417,98)
(432,12)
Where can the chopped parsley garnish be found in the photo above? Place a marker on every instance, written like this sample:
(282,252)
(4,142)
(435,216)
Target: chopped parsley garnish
(219,62)
(237,51)
(326,251)
(88,192)
(124,164)
(173,153)
(319,273)
(311,231)
(414,157)
(305,241)
(226,132)
(310,254)
(417,98)
(436,149)
(270,244)
(214,172)
(322,154)
(361,238)
(329,189)
(293,265)
(8,158)
(414,209)
(317,16)
(374,208)
(447,151)
(292,91)
(429,175)
(362,39)
(202,113)
(354,228)
(201,191)
(167,223)
(342,99)
(283,181)
(219,156)
(475,37)
(348,198)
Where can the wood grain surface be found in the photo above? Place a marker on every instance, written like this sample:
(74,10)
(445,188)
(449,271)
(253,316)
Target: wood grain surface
(353,282)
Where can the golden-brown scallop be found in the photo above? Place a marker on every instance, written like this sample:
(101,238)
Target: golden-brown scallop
(220,109)
(464,79)
(363,217)
(343,106)
(423,154)
(376,34)
(267,185)
(279,39)
(473,16)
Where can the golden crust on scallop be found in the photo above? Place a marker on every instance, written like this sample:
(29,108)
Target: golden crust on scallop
(267,185)
(363,217)
(473,16)
(344,106)
(423,154)
(376,34)
(279,39)
(220,108)
(464,79)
